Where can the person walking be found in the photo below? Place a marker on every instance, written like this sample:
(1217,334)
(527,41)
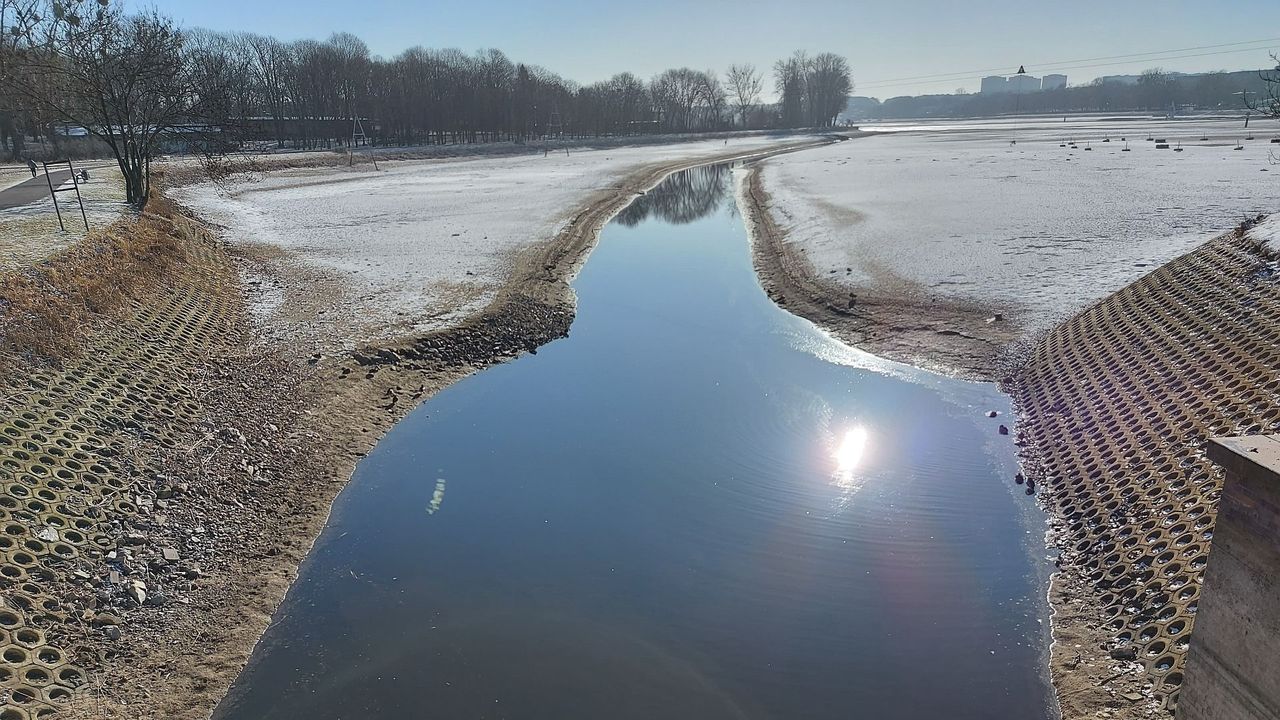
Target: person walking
(31,165)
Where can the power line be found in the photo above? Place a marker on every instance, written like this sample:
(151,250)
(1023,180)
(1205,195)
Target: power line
(1070,64)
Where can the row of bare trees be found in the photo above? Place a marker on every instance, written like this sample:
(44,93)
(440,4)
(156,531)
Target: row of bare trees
(144,86)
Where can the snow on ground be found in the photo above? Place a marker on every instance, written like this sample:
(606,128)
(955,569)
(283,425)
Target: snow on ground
(30,233)
(1267,232)
(956,210)
(420,244)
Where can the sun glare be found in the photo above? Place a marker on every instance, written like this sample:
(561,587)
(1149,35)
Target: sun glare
(849,454)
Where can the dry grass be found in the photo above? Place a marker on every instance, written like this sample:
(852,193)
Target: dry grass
(47,310)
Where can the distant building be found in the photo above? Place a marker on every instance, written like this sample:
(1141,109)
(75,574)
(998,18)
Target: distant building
(1024,83)
(1053,82)
(1120,79)
(994,84)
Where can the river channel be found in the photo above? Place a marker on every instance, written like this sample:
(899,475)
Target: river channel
(695,506)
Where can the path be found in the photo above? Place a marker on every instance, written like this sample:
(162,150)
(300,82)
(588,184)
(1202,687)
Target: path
(31,190)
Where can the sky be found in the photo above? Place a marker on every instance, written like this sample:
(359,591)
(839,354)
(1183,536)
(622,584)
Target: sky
(890,44)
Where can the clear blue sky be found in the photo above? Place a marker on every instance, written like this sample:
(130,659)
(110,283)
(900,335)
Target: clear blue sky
(884,41)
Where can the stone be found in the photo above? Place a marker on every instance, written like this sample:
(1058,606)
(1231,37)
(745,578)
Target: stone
(992,413)
(112,632)
(1004,430)
(104,620)
(137,590)
(1124,652)
(48,535)
(170,554)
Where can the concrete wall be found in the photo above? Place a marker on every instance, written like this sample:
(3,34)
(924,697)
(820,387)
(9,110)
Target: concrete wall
(1233,664)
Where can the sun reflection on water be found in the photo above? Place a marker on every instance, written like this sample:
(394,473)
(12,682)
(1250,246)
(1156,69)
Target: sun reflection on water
(848,457)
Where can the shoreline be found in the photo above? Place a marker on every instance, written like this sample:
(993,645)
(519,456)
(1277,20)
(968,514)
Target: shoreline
(1115,406)
(945,336)
(1119,631)
(264,474)
(258,476)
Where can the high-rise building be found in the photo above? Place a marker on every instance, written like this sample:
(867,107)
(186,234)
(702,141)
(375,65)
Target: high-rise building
(994,84)
(1053,82)
(1024,83)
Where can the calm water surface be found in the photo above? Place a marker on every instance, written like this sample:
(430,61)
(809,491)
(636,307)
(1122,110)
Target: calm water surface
(696,506)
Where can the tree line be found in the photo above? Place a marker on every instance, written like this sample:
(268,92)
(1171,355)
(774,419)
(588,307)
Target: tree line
(1154,90)
(143,85)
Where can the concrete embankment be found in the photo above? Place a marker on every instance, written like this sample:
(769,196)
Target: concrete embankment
(1115,406)
(165,467)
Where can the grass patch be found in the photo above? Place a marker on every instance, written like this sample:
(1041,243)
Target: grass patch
(47,310)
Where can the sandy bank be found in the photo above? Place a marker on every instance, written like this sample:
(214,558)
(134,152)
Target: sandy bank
(191,450)
(937,230)
(903,323)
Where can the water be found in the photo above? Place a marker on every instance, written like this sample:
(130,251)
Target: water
(696,506)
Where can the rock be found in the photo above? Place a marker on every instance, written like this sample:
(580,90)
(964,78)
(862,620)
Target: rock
(1019,478)
(170,554)
(112,632)
(137,590)
(1124,652)
(48,535)
(104,620)
(1004,430)
(992,413)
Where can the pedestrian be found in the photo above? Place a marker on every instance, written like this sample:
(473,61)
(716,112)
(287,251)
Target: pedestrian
(31,165)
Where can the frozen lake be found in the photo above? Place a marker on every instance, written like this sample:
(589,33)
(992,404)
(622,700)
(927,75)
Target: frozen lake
(1034,228)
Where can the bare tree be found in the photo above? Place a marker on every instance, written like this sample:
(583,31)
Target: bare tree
(1157,88)
(128,80)
(812,91)
(789,77)
(829,86)
(1269,103)
(745,85)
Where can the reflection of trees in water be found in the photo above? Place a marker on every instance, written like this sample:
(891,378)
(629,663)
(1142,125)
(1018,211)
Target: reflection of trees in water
(681,198)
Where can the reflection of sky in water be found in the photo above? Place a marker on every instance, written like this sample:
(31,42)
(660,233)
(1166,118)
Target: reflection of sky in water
(696,506)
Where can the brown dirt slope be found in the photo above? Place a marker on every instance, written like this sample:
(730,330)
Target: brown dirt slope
(1115,407)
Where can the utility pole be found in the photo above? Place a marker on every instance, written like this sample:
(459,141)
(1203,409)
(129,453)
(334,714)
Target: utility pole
(1017,101)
